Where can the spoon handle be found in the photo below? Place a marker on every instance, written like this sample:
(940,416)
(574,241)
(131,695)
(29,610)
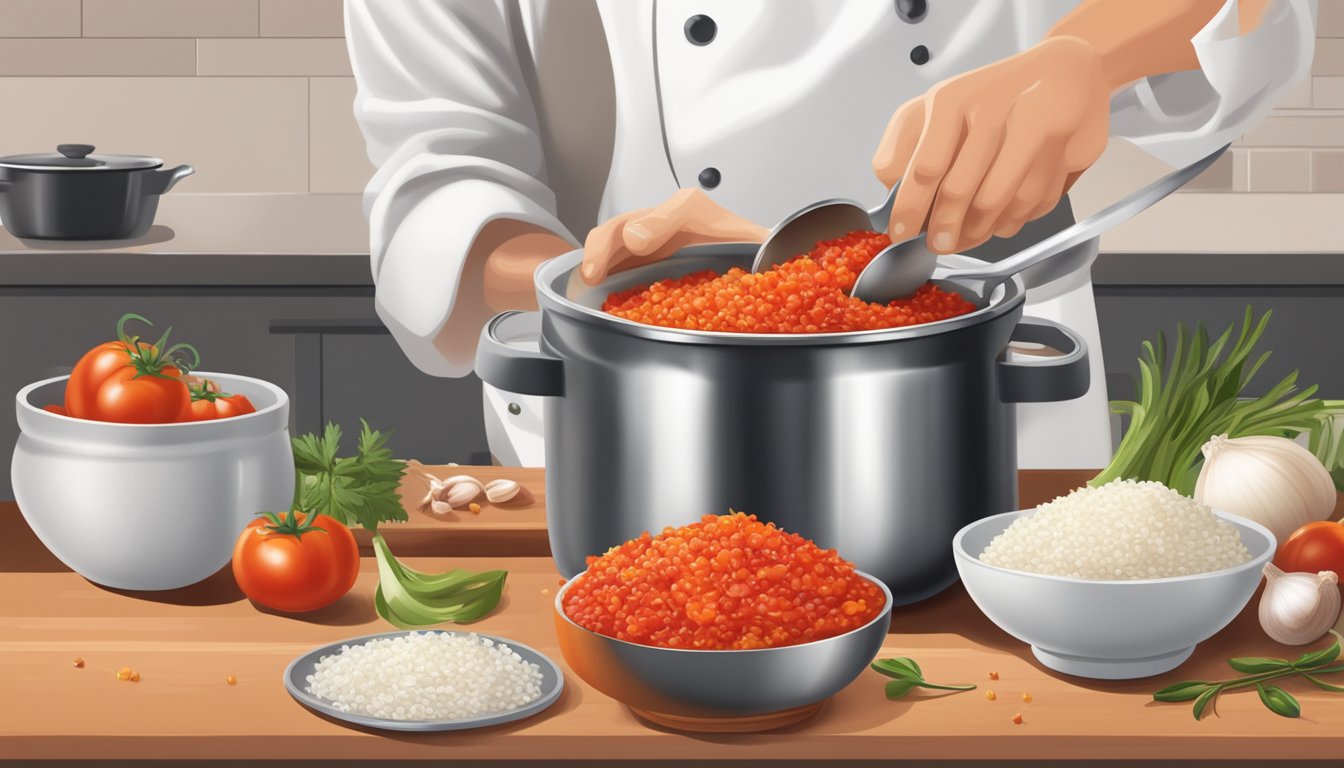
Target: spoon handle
(1082,231)
(881,215)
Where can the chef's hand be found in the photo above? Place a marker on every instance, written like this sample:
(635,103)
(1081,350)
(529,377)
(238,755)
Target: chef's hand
(687,218)
(985,152)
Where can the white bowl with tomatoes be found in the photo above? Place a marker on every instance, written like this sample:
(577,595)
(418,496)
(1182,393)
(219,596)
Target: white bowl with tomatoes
(151,506)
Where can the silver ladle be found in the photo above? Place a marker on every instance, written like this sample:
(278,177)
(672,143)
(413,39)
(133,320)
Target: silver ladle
(898,270)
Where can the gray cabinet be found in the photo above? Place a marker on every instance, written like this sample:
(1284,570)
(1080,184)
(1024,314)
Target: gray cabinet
(323,346)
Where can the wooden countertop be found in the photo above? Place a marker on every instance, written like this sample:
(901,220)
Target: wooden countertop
(184,643)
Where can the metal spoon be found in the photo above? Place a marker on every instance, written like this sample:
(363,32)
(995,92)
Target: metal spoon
(902,268)
(825,220)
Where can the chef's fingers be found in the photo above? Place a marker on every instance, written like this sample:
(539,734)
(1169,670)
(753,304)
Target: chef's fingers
(946,222)
(1020,149)
(898,142)
(1027,197)
(602,249)
(933,155)
(1054,190)
(647,233)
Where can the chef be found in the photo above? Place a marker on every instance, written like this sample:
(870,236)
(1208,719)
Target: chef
(507,132)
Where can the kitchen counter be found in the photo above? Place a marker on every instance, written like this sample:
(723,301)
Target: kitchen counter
(184,643)
(1191,239)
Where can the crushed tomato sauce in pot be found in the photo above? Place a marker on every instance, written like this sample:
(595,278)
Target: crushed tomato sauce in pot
(807,294)
(728,582)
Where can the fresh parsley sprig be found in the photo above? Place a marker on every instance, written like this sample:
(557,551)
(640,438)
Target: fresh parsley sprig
(359,489)
(1259,671)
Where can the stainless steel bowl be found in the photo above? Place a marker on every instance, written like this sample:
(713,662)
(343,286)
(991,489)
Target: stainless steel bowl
(721,691)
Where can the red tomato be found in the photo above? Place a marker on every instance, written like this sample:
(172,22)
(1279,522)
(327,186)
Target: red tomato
(59,410)
(1313,548)
(129,381)
(286,563)
(208,403)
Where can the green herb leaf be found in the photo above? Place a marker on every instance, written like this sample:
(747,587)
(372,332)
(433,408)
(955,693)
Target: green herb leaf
(1182,691)
(356,490)
(899,688)
(1198,392)
(1318,658)
(1319,683)
(1205,699)
(1252,665)
(1279,701)
(899,668)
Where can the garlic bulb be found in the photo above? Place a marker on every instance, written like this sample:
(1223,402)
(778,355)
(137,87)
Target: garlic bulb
(1297,608)
(1271,480)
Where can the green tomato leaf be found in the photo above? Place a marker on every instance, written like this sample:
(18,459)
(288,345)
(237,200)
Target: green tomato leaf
(899,688)
(1279,701)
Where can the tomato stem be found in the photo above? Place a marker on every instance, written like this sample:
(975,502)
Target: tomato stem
(288,523)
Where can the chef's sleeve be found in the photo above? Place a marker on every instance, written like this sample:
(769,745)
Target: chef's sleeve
(450,125)
(1182,116)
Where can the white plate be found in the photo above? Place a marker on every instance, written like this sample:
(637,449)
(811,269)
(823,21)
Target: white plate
(296,680)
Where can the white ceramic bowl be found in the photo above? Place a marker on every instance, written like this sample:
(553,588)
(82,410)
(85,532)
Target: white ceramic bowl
(150,506)
(1111,630)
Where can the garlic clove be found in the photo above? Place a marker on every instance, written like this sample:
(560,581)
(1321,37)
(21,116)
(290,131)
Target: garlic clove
(440,507)
(499,491)
(1298,608)
(461,494)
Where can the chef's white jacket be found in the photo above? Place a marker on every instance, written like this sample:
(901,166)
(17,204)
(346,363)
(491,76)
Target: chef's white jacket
(475,110)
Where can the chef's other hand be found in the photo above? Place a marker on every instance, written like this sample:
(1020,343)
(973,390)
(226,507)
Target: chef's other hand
(985,152)
(650,234)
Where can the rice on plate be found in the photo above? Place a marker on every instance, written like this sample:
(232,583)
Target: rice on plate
(426,676)
(1122,530)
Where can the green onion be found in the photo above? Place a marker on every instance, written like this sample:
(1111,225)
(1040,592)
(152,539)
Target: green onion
(1198,392)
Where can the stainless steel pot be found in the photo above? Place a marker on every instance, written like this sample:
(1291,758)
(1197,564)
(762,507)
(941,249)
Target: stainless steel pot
(72,194)
(881,444)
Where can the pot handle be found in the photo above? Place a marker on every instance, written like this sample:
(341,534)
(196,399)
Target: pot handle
(1047,379)
(162,181)
(512,369)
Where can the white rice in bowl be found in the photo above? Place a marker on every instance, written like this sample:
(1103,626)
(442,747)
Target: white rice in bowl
(426,676)
(1122,530)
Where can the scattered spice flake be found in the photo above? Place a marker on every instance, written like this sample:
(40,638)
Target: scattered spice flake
(545,591)
(231,680)
(1026,697)
(475,508)
(990,695)
(561,581)
(79,662)
(135,677)
(993,675)
(128,674)
(1017,719)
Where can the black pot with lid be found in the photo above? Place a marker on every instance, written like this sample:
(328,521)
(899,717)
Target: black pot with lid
(73,194)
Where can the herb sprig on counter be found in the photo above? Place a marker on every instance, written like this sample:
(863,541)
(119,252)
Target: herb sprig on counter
(907,676)
(1259,671)
(363,489)
(1199,391)
(357,490)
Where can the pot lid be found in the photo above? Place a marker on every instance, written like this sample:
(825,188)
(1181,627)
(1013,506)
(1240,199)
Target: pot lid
(77,157)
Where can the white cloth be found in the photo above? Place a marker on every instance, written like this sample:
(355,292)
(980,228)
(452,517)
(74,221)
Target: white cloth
(460,101)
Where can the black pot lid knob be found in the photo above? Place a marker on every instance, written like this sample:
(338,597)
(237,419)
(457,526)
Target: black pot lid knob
(75,151)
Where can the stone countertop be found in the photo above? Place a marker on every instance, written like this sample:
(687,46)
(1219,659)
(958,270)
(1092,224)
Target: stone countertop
(322,240)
